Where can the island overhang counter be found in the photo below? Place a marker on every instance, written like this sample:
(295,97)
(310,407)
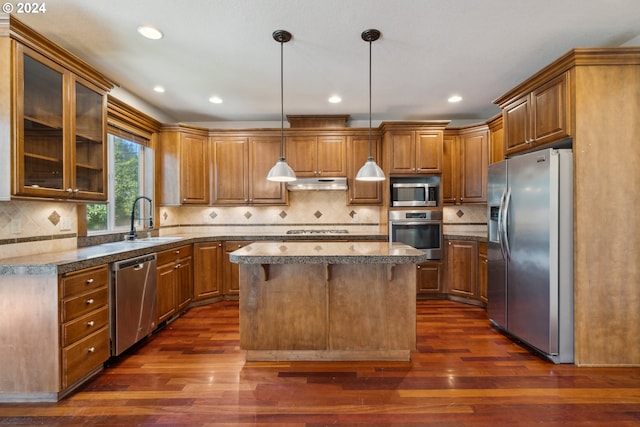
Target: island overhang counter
(327,300)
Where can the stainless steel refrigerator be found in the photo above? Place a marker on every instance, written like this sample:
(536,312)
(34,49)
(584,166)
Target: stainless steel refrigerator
(530,250)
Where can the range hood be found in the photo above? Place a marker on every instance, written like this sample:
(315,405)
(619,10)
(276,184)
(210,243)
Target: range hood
(320,183)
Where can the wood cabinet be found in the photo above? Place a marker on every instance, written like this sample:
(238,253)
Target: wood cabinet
(84,324)
(60,131)
(241,165)
(462,268)
(429,278)
(540,117)
(175,281)
(414,152)
(183,166)
(496,139)
(465,162)
(317,155)
(482,272)
(231,273)
(207,270)
(362,192)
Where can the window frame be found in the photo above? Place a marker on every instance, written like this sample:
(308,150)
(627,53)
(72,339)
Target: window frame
(146,174)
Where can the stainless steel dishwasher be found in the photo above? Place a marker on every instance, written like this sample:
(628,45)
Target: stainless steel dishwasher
(134,311)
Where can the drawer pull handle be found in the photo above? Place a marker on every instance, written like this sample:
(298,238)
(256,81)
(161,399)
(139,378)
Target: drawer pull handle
(91,350)
(177,252)
(90,301)
(177,266)
(89,281)
(90,323)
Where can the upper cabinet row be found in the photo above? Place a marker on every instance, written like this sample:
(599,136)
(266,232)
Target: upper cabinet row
(198,167)
(57,113)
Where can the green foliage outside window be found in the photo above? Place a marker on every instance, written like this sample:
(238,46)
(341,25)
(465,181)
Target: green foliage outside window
(126,183)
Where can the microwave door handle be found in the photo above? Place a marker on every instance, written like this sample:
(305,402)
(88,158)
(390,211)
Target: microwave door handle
(505,224)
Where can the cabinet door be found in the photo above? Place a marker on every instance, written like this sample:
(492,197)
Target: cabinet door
(496,141)
(517,126)
(462,258)
(473,167)
(207,270)
(429,277)
(332,152)
(362,192)
(402,152)
(42,127)
(428,152)
(231,276)
(301,154)
(90,154)
(231,170)
(194,159)
(184,282)
(263,153)
(166,291)
(551,111)
(450,177)
(482,272)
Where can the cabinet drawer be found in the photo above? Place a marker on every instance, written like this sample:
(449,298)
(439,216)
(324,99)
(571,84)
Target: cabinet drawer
(83,304)
(84,280)
(172,255)
(85,325)
(82,357)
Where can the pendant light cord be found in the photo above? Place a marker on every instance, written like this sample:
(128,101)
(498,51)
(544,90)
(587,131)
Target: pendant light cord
(370,135)
(281,100)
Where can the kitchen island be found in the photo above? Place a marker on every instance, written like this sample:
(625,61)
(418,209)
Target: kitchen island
(327,300)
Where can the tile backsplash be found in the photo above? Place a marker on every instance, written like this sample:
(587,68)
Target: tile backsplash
(306,209)
(28,227)
(465,218)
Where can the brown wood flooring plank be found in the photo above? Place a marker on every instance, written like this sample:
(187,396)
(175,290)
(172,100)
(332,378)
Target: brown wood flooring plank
(463,374)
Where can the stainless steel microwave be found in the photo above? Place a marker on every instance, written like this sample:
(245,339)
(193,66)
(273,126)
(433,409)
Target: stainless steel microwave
(414,194)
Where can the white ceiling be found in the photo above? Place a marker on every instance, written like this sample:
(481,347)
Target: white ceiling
(429,50)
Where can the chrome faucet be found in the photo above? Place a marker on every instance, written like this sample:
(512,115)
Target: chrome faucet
(132,232)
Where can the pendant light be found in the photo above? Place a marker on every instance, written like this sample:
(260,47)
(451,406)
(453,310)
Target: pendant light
(281,171)
(370,171)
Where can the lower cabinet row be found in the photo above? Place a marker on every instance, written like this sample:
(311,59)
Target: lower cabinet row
(462,275)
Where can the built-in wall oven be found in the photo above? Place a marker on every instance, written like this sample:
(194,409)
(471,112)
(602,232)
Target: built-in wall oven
(421,229)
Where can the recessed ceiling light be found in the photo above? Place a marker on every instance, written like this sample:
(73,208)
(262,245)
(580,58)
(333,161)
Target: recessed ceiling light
(159,89)
(455,98)
(150,32)
(335,99)
(215,100)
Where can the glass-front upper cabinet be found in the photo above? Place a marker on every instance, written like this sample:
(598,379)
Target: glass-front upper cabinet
(60,132)
(90,137)
(43,126)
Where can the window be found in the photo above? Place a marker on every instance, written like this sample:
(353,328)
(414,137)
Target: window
(130,176)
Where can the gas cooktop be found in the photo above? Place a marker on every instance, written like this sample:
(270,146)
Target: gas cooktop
(318,232)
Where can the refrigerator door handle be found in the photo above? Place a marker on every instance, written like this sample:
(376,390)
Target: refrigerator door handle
(505,218)
(500,225)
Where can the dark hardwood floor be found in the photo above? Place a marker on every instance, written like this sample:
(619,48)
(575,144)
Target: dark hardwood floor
(464,373)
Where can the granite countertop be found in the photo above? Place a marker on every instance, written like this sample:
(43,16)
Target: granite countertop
(478,236)
(61,262)
(327,253)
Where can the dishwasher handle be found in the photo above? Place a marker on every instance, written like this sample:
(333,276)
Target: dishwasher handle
(136,263)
